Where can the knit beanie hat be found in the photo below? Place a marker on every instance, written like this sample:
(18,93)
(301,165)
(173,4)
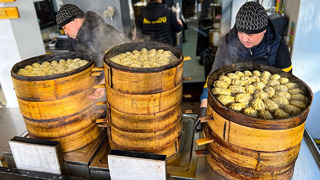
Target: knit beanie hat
(252,18)
(68,13)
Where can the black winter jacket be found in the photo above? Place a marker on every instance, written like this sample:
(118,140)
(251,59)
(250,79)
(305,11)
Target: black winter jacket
(96,37)
(231,50)
(157,23)
(270,51)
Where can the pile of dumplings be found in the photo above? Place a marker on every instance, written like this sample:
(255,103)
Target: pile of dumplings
(260,94)
(145,58)
(52,67)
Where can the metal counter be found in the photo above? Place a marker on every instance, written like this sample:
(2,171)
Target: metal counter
(91,161)
(307,166)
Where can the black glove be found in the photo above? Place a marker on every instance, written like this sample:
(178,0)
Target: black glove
(197,126)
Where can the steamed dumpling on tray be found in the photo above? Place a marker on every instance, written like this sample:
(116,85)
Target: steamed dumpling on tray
(260,94)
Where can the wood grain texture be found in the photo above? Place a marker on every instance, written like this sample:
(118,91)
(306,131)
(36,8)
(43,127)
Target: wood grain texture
(144,104)
(57,107)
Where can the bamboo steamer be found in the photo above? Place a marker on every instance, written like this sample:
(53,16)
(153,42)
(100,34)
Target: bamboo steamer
(249,148)
(56,107)
(144,104)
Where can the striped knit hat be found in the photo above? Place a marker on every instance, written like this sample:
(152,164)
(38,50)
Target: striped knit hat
(252,18)
(68,13)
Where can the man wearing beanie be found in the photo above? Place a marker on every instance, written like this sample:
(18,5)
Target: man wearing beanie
(252,39)
(91,35)
(89,31)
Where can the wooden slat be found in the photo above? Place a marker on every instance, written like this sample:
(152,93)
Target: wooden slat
(187,96)
(144,103)
(206,119)
(9,13)
(56,109)
(97,69)
(147,140)
(204,141)
(145,122)
(96,74)
(187,78)
(201,153)
(186,58)
(49,90)
(143,83)
(99,86)
(256,139)
(101,120)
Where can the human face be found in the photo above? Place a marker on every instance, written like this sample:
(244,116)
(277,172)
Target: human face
(71,29)
(250,40)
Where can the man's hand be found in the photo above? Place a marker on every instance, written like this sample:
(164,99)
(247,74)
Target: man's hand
(197,126)
(98,93)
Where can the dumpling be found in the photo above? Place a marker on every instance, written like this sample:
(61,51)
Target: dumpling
(23,72)
(270,91)
(250,89)
(237,106)
(221,84)
(265,74)
(292,85)
(221,91)
(239,73)
(28,67)
(291,109)
(36,65)
(250,112)
(283,94)
(275,77)
(296,91)
(259,85)
(255,79)
(246,80)
(284,80)
(270,105)
(265,115)
(233,76)
(280,114)
(264,80)
(225,79)
(280,100)
(299,104)
(257,104)
(226,100)
(299,97)
(243,98)
(238,82)
(273,83)
(260,94)
(136,52)
(256,73)
(281,88)
(247,73)
(237,89)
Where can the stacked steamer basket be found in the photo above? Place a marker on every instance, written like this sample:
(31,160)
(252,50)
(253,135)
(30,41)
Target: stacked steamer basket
(144,104)
(56,107)
(243,147)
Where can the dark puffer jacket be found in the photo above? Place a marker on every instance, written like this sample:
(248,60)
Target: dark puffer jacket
(270,51)
(157,23)
(96,37)
(231,50)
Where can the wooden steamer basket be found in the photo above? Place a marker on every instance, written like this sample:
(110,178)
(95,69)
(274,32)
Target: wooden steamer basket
(56,107)
(242,147)
(144,104)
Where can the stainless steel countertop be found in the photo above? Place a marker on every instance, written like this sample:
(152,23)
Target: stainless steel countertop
(307,166)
